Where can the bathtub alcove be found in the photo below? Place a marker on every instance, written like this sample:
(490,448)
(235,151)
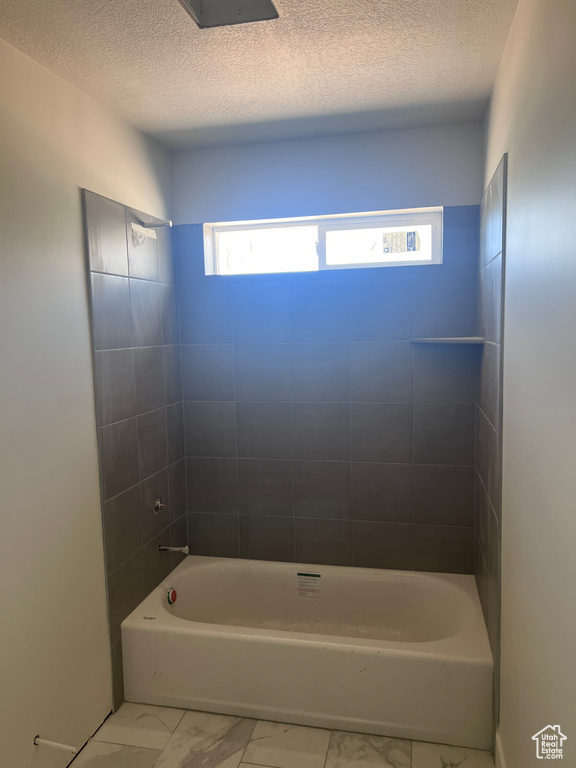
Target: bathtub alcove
(394,653)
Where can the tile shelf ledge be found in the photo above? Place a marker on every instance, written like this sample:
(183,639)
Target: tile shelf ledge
(451,340)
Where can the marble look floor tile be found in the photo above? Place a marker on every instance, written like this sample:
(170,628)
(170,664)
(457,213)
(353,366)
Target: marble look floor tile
(358,750)
(204,740)
(98,754)
(279,745)
(426,755)
(140,725)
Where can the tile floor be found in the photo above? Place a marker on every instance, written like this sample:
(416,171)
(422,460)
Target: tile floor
(142,736)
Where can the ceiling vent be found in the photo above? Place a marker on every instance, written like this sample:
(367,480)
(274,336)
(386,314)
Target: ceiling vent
(222,13)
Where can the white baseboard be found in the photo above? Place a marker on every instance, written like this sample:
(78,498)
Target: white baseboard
(499,752)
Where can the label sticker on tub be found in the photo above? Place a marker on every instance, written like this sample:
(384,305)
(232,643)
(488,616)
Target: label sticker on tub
(308,584)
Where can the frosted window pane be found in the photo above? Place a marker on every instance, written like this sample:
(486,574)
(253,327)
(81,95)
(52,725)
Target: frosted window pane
(277,249)
(379,245)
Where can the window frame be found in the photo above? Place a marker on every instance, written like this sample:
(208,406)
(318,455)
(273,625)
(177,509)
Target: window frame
(433,216)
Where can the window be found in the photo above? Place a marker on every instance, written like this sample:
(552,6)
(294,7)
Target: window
(348,241)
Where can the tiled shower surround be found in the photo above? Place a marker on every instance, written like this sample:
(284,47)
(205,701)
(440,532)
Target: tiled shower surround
(135,334)
(315,430)
(488,494)
(290,416)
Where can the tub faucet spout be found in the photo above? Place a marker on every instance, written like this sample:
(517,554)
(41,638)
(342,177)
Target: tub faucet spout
(183,550)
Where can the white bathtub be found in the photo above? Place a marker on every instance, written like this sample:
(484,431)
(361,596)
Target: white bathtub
(395,653)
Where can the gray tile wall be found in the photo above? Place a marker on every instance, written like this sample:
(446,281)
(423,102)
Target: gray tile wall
(138,406)
(314,430)
(488,471)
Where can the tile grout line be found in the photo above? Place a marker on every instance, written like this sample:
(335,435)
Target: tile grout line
(413,463)
(248,742)
(324,764)
(136,417)
(236,456)
(170,558)
(292,460)
(175,263)
(352,517)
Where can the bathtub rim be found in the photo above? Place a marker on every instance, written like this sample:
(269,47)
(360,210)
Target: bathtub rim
(469,646)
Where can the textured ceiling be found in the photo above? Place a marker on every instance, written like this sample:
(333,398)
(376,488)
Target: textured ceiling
(325,66)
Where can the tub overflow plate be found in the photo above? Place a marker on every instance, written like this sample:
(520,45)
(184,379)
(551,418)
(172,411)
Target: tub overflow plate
(171,596)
